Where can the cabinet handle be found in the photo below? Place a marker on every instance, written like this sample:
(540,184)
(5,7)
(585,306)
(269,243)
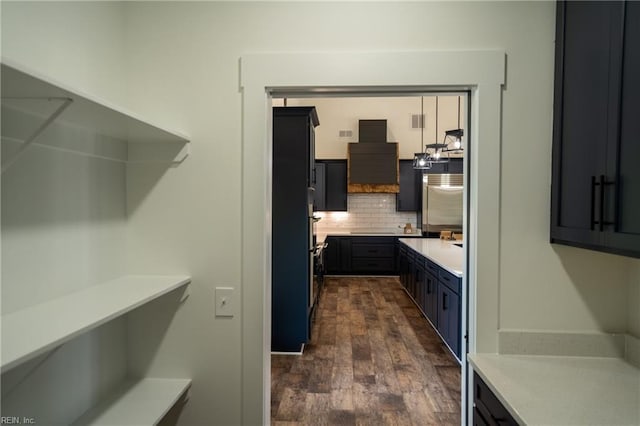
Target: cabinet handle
(601,183)
(593,203)
(444,301)
(601,222)
(446,278)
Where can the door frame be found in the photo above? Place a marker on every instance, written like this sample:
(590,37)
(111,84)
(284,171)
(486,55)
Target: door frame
(482,72)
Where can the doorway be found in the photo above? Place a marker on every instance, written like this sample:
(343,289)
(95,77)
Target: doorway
(481,72)
(363,367)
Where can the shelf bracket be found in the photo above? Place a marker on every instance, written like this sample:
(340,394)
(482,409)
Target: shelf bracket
(28,141)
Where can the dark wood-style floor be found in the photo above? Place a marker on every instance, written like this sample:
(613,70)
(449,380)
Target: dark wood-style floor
(373,360)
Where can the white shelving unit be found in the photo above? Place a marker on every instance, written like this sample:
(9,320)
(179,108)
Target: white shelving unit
(35,330)
(82,110)
(143,402)
(34,103)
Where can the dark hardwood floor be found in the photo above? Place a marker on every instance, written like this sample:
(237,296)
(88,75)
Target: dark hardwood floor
(373,360)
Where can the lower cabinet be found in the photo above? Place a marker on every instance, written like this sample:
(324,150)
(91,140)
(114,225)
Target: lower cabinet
(338,255)
(431,297)
(436,292)
(361,255)
(487,409)
(449,317)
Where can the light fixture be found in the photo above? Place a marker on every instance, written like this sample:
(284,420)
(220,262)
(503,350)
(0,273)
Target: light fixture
(421,159)
(455,144)
(435,153)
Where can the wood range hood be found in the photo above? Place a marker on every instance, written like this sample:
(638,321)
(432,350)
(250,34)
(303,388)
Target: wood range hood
(373,162)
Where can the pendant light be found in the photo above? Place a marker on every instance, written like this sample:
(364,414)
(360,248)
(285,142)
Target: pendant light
(455,135)
(420,159)
(435,150)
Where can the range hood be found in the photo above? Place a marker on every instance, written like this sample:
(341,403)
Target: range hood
(373,162)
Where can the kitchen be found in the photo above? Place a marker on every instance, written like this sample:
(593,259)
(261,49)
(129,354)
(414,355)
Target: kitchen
(207,70)
(367,228)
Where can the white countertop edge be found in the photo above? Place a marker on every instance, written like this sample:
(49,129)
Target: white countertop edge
(473,358)
(511,377)
(412,244)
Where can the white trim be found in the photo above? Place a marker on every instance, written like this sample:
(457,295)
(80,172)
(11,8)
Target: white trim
(481,71)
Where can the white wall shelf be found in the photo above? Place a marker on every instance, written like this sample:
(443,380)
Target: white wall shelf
(85,111)
(37,329)
(143,402)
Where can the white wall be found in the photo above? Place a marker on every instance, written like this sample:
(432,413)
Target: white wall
(182,69)
(336,114)
(63,215)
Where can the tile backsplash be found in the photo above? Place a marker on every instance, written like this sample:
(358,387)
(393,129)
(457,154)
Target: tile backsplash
(367,211)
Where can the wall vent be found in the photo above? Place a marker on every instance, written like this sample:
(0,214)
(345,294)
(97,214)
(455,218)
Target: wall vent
(345,133)
(417,121)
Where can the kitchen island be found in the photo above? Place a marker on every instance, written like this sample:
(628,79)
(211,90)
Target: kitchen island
(431,273)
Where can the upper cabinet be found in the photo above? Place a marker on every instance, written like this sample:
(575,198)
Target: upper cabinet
(331,186)
(596,128)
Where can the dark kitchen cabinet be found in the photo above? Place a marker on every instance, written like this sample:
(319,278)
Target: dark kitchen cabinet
(420,284)
(409,198)
(338,255)
(293,129)
(373,255)
(431,297)
(331,185)
(319,196)
(436,292)
(596,140)
(449,317)
(487,408)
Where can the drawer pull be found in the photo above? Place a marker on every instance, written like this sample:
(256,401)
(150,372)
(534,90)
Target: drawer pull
(444,277)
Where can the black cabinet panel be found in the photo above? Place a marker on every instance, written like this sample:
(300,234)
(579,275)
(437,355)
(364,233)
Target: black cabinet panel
(580,115)
(319,197)
(436,292)
(336,179)
(490,410)
(338,255)
(449,317)
(595,181)
(359,249)
(625,193)
(291,262)
(431,298)
(409,198)
(331,185)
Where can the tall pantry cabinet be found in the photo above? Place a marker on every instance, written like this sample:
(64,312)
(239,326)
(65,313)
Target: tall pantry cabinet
(292,220)
(68,301)
(596,136)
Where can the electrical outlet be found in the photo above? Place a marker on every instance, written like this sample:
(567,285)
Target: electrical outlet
(225,303)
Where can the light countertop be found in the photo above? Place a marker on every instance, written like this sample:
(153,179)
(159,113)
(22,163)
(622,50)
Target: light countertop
(321,234)
(443,252)
(562,390)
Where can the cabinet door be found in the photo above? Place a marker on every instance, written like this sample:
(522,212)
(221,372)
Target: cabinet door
(625,210)
(431,298)
(336,189)
(449,317)
(319,195)
(584,77)
(409,197)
